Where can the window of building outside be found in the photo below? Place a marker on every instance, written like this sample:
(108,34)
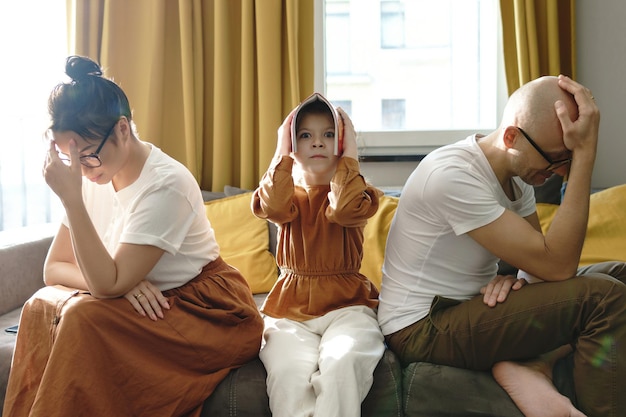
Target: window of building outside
(393,113)
(391,24)
(346,105)
(417,73)
(33,49)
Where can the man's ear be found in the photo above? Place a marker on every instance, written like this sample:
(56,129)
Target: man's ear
(510,135)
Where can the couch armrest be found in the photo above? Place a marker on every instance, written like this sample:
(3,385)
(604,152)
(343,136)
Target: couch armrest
(22,254)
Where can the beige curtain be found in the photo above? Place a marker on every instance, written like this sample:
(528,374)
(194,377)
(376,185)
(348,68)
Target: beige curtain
(539,39)
(209,81)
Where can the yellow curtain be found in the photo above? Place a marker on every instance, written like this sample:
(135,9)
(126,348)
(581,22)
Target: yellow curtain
(539,39)
(210,81)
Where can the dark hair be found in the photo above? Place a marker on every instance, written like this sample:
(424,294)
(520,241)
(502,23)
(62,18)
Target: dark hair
(314,107)
(89,104)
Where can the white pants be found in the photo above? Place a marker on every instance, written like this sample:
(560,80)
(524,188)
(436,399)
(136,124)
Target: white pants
(321,367)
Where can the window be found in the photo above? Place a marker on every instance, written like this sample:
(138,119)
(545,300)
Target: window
(391,24)
(346,105)
(338,23)
(419,73)
(33,47)
(393,111)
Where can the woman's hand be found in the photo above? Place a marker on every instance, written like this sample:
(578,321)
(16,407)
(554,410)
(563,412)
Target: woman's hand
(64,180)
(499,288)
(148,300)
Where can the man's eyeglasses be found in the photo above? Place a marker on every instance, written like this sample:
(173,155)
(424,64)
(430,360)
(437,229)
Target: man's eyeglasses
(93,159)
(553,165)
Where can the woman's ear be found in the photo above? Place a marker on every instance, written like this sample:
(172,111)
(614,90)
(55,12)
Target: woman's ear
(124,127)
(511,133)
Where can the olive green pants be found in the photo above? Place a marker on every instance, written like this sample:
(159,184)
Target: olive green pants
(588,312)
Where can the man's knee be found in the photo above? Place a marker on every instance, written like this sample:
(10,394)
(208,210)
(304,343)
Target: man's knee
(607,289)
(602,281)
(614,269)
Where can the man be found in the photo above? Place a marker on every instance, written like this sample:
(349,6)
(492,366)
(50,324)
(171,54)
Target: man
(468,205)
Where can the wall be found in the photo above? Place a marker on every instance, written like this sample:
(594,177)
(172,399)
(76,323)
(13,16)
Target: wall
(601,59)
(387,175)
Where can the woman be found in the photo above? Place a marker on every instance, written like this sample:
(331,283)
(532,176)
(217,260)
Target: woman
(140,315)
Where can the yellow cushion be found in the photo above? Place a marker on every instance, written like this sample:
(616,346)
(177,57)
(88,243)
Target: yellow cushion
(243,240)
(375,239)
(606,228)
(546,213)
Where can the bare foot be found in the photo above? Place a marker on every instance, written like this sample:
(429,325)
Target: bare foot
(529,384)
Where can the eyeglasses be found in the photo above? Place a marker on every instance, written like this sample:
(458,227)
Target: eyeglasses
(93,159)
(553,165)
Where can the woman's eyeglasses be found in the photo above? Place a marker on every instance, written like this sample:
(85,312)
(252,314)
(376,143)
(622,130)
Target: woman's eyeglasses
(92,160)
(553,165)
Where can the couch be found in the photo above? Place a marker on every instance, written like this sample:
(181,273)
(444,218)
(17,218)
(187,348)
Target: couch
(420,389)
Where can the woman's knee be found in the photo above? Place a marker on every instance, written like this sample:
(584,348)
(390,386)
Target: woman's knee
(84,312)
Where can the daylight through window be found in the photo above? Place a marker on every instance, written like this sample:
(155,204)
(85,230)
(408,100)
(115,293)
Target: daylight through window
(30,68)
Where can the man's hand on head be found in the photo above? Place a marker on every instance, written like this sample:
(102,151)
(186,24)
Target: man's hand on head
(582,133)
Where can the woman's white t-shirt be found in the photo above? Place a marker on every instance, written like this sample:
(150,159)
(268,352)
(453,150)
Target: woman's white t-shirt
(162,208)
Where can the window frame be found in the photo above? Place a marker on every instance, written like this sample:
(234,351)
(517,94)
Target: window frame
(393,144)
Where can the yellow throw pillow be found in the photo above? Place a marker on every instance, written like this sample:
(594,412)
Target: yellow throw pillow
(546,213)
(243,240)
(375,239)
(606,229)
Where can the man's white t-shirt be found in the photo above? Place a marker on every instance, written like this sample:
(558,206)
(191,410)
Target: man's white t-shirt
(452,191)
(162,208)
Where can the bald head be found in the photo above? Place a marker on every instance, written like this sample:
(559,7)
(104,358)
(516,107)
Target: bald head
(532,107)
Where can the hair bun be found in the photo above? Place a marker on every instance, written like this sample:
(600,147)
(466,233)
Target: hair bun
(79,68)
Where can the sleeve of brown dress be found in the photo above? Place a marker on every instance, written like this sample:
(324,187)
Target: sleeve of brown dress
(352,199)
(273,198)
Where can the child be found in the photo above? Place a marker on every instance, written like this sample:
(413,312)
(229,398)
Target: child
(321,339)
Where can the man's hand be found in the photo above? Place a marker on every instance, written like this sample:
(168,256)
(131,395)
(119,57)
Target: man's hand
(499,288)
(581,133)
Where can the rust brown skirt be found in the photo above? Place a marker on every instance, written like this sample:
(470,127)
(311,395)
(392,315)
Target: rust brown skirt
(76,355)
